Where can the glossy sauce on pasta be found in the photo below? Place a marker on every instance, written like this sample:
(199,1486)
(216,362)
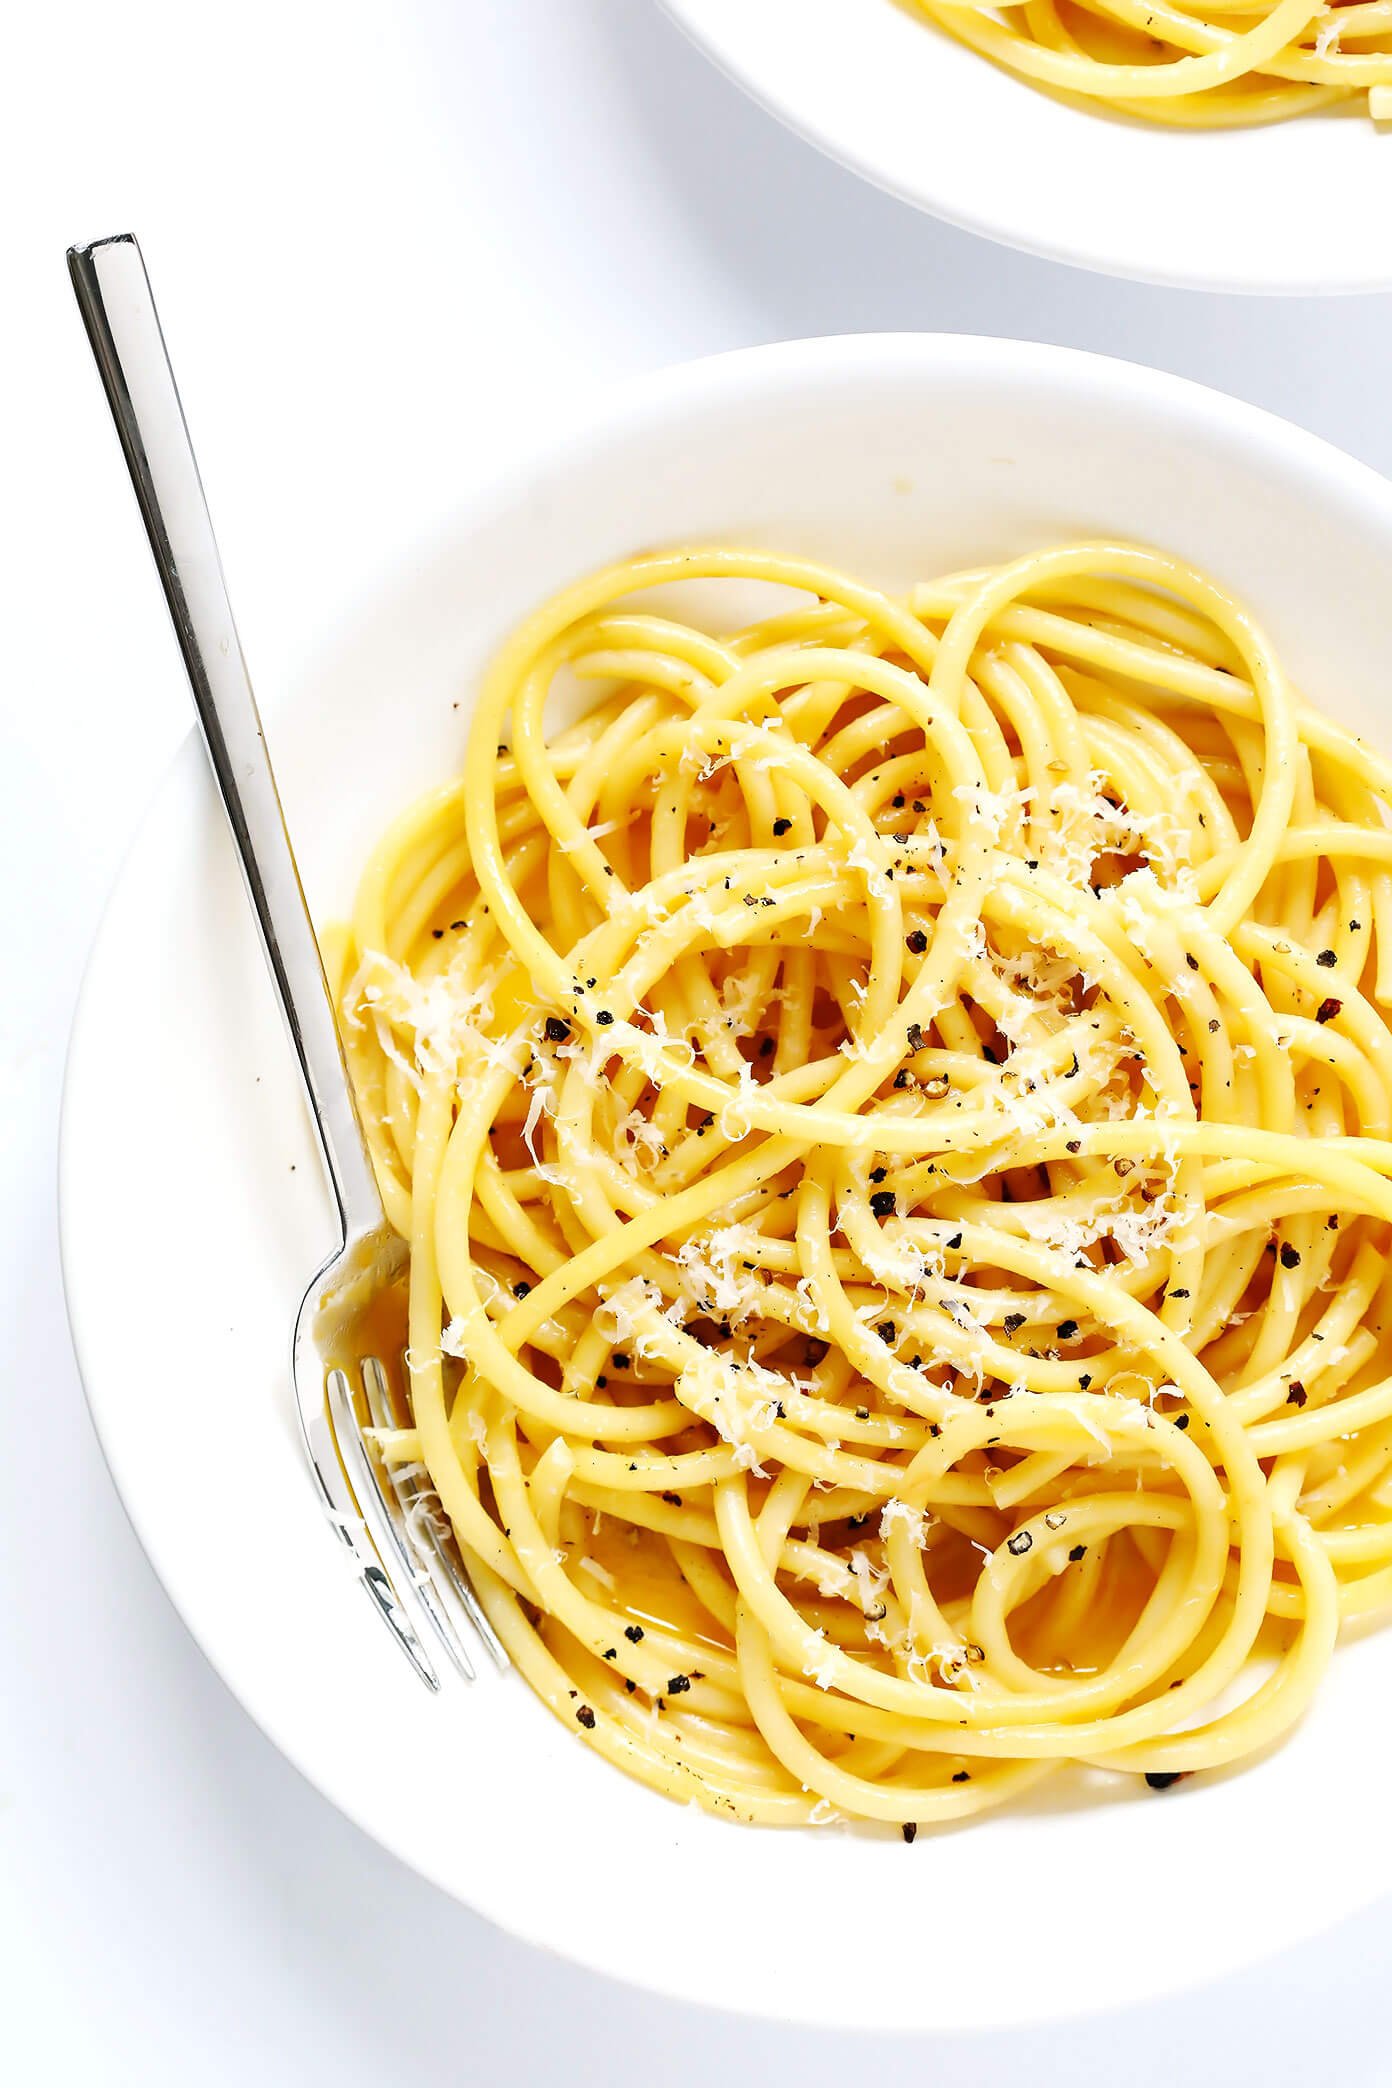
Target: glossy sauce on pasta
(890,1108)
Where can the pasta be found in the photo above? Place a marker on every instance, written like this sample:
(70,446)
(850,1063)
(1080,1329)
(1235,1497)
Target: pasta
(889,1105)
(1223,62)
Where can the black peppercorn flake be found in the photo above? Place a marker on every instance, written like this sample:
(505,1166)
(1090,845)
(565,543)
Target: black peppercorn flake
(1020,1543)
(782,826)
(961,1776)
(908,1830)
(885,1330)
(1290,1256)
(883,1204)
(633,1632)
(877,1174)
(1327,958)
(1191,960)
(917,941)
(557,1029)
(1077,1551)
(1297,1394)
(603,1017)
(1013,1322)
(1068,1330)
(1161,1779)
(586,1717)
(1328,1009)
(678,1685)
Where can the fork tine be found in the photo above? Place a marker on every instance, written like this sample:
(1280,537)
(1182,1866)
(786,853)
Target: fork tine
(411,1524)
(388,1518)
(429,1530)
(346,1519)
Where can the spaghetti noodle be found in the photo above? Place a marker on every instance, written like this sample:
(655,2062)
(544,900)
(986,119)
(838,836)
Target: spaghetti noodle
(1223,62)
(891,1108)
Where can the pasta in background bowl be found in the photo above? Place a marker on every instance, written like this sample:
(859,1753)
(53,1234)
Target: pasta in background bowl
(1284,185)
(897,459)
(1228,63)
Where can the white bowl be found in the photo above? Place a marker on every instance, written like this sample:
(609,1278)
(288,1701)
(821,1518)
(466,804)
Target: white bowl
(193,1211)
(1304,205)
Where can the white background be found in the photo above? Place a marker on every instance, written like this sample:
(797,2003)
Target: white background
(390,243)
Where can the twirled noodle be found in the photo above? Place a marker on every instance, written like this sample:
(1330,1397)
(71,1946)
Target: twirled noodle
(1224,62)
(890,1111)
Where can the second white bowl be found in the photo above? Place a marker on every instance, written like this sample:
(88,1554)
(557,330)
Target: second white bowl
(1304,205)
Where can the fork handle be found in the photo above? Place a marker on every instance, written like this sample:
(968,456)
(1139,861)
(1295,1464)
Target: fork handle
(118,309)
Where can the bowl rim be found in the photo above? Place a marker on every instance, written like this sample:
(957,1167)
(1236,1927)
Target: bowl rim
(844,144)
(622,410)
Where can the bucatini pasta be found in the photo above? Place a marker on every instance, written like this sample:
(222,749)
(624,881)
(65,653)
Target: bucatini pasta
(890,1110)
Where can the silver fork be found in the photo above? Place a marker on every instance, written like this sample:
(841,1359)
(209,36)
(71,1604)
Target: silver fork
(390,1521)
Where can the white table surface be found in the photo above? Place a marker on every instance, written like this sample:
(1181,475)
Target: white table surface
(389,241)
